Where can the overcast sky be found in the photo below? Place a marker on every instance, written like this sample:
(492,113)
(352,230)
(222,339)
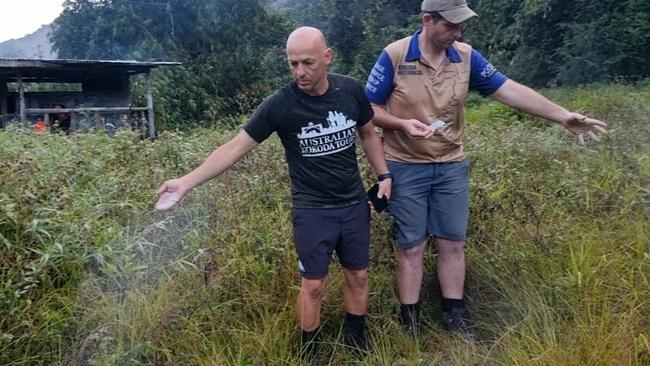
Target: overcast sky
(21,17)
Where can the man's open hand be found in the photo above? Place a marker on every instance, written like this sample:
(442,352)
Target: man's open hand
(585,128)
(170,193)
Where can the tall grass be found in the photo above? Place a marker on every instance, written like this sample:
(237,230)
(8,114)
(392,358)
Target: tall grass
(558,252)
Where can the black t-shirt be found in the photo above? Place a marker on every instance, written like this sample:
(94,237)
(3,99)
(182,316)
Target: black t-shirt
(318,134)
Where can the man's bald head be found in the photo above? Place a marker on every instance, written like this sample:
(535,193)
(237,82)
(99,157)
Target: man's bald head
(308,57)
(305,36)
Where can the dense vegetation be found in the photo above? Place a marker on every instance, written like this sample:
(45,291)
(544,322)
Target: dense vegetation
(559,253)
(232,50)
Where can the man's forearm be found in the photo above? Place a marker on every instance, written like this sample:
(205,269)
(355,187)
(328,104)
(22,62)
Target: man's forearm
(371,144)
(386,120)
(528,100)
(220,159)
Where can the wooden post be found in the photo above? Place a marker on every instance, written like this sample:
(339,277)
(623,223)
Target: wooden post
(3,102)
(143,124)
(152,126)
(73,122)
(98,122)
(21,94)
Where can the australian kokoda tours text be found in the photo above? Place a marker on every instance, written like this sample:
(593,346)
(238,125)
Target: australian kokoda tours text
(316,140)
(328,144)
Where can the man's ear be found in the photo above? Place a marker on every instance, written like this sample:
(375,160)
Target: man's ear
(329,55)
(427,20)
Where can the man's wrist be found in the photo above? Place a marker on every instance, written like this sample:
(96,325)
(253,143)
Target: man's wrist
(384,176)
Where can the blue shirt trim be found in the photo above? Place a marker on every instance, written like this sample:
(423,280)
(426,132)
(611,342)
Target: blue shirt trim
(484,77)
(380,81)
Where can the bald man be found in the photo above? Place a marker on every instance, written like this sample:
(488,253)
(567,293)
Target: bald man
(317,117)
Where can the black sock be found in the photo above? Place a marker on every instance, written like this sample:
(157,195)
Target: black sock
(409,308)
(408,311)
(448,304)
(310,336)
(309,344)
(355,331)
(355,324)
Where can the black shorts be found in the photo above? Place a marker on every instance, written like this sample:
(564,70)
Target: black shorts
(320,232)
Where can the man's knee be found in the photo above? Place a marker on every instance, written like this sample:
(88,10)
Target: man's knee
(356,279)
(313,288)
(412,254)
(450,248)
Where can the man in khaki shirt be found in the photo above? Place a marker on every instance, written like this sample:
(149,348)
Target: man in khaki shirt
(418,88)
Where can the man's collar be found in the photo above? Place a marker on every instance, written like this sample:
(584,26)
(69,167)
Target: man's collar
(414,53)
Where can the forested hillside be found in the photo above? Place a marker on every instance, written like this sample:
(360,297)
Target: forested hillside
(35,45)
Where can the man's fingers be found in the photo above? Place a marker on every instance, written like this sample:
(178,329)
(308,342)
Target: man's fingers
(167,200)
(588,137)
(419,125)
(162,189)
(594,122)
(592,136)
(383,192)
(419,130)
(598,129)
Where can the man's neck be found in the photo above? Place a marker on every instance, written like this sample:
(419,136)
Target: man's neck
(433,54)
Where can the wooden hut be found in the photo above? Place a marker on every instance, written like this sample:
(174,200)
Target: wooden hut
(95,90)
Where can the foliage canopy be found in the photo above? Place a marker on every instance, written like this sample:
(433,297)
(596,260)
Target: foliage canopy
(233,50)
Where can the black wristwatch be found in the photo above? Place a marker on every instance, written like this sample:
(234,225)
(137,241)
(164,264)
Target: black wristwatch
(384,176)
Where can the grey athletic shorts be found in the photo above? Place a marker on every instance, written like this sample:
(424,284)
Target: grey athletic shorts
(429,199)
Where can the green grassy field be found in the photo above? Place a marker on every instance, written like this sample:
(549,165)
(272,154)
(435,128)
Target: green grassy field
(558,250)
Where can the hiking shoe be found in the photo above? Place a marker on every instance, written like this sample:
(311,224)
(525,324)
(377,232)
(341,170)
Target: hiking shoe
(457,321)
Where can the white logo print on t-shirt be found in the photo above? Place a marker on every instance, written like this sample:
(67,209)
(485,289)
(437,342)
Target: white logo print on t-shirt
(318,140)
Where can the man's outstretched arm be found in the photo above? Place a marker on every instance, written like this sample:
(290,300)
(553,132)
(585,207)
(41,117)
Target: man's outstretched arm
(528,100)
(225,156)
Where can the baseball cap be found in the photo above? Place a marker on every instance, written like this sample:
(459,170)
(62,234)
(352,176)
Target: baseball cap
(454,11)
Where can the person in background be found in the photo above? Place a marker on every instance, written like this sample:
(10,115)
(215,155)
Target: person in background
(40,126)
(61,121)
(418,88)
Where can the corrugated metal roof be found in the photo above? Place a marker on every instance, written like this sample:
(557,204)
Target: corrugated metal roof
(66,70)
(29,62)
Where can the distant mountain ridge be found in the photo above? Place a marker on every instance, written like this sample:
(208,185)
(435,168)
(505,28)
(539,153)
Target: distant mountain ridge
(33,46)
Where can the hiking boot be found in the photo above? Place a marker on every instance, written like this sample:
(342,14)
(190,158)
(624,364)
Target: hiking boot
(457,321)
